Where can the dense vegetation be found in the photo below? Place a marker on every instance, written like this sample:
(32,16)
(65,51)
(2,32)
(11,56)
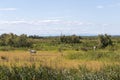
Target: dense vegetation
(14,40)
(104,40)
(73,42)
(70,39)
(73,47)
(47,73)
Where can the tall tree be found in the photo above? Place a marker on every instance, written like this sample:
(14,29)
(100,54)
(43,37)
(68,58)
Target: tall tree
(104,40)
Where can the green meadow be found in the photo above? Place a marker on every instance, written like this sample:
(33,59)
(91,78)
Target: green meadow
(59,57)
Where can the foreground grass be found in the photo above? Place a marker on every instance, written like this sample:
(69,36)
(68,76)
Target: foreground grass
(51,65)
(48,73)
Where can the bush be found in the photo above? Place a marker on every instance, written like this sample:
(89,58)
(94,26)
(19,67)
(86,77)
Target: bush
(104,40)
(70,39)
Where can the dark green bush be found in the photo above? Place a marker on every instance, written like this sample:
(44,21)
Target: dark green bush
(70,39)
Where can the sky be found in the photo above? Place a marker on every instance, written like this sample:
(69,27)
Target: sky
(56,17)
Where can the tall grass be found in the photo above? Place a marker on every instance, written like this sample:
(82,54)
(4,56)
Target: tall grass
(49,66)
(94,55)
(47,73)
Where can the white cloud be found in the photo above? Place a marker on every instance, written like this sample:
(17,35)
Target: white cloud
(43,22)
(48,21)
(11,22)
(100,6)
(8,9)
(52,26)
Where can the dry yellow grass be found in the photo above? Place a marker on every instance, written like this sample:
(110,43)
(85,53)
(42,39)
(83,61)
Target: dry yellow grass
(46,58)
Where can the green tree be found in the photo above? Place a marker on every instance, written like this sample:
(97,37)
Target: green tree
(14,40)
(23,41)
(104,40)
(70,39)
(3,41)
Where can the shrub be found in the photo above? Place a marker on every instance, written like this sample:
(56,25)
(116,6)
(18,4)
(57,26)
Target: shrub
(70,39)
(104,40)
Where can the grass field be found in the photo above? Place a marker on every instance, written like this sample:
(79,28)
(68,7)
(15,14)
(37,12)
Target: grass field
(54,65)
(66,59)
(61,61)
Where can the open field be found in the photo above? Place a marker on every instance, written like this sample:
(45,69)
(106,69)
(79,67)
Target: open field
(51,65)
(66,59)
(71,58)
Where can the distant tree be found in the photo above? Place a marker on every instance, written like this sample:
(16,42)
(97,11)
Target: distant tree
(23,41)
(70,39)
(104,40)
(14,40)
(35,37)
(7,39)
(3,39)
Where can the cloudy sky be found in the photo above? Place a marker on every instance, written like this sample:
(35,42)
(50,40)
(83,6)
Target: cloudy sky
(53,17)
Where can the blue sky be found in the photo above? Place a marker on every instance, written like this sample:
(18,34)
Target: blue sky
(53,17)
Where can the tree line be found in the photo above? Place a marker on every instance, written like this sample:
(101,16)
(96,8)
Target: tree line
(70,39)
(23,40)
(14,40)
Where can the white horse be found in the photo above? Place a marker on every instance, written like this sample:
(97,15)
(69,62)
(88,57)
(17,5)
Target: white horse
(32,51)
(94,48)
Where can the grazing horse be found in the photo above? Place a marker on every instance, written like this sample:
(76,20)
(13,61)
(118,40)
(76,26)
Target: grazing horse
(32,51)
